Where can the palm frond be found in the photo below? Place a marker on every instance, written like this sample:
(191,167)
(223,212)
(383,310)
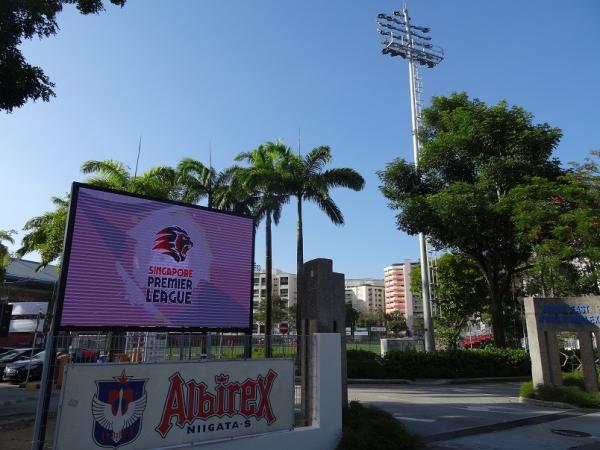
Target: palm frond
(343,177)
(329,207)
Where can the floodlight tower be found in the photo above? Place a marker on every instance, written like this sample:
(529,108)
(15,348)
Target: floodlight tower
(411,42)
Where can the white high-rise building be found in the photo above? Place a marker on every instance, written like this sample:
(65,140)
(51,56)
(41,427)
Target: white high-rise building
(285,285)
(365,294)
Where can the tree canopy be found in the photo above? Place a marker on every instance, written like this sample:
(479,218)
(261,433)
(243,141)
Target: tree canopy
(472,155)
(19,20)
(560,219)
(459,292)
(45,233)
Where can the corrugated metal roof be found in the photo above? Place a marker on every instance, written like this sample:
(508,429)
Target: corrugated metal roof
(22,270)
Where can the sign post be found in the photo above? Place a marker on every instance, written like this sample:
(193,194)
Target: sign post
(283,328)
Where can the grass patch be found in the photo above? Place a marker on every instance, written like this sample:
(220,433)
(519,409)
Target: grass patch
(572,392)
(369,428)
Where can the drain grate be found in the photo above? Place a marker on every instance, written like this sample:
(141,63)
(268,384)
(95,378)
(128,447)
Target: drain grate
(571,433)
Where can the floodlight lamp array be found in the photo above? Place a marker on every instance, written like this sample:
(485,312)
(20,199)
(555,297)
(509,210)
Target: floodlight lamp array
(407,41)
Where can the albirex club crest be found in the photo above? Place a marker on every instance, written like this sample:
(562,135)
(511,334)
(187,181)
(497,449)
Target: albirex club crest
(173,403)
(117,409)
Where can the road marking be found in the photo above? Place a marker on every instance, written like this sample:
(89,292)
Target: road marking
(17,401)
(500,409)
(413,419)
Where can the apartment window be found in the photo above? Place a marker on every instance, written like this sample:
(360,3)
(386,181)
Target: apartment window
(283,292)
(283,281)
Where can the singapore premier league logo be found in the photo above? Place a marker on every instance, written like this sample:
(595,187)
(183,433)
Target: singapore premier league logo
(117,408)
(173,241)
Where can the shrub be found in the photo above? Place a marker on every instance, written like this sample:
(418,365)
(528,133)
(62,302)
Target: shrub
(571,394)
(526,390)
(487,362)
(364,364)
(368,428)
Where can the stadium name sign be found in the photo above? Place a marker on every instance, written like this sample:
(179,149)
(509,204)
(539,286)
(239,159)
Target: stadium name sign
(135,406)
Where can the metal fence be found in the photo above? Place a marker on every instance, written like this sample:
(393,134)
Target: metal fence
(372,343)
(149,347)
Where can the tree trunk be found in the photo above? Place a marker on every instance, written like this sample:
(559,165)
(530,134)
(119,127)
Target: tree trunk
(269,276)
(497,314)
(299,265)
(491,278)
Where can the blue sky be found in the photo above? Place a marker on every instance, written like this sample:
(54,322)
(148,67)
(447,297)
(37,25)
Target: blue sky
(238,73)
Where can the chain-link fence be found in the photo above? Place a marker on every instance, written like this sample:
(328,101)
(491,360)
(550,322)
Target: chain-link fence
(150,347)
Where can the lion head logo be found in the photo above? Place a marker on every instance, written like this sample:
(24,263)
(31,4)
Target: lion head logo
(173,241)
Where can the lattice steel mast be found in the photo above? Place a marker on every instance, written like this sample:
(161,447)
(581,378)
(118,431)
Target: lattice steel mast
(412,43)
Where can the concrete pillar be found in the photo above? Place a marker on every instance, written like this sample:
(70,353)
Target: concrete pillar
(545,363)
(586,349)
(324,311)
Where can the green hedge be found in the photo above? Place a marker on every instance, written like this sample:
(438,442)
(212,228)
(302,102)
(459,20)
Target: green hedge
(571,393)
(487,362)
(368,428)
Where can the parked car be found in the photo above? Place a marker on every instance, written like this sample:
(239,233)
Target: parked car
(13,355)
(17,371)
(4,350)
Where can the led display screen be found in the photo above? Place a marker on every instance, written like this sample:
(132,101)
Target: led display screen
(136,262)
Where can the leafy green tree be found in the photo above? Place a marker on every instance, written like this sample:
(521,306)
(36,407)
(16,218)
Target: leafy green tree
(45,233)
(291,315)
(279,311)
(460,292)
(372,318)
(396,322)
(560,219)
(352,316)
(418,327)
(308,180)
(5,236)
(263,178)
(19,20)
(472,156)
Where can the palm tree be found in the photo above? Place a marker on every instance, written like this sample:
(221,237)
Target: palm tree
(306,179)
(160,181)
(46,232)
(4,254)
(198,181)
(264,179)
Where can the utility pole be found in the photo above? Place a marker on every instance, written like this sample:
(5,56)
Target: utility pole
(412,43)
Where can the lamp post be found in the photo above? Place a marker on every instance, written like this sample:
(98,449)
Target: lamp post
(412,43)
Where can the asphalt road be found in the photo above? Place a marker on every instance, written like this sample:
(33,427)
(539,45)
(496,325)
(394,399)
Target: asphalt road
(16,402)
(484,416)
(479,416)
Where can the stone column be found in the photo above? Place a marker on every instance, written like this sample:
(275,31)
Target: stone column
(324,311)
(586,348)
(543,348)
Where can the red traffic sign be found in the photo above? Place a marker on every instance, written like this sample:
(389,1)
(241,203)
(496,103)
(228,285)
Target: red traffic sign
(283,328)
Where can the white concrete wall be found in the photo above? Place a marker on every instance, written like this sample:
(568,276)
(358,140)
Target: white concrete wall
(326,430)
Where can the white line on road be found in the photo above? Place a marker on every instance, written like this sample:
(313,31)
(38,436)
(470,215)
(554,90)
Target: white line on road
(413,419)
